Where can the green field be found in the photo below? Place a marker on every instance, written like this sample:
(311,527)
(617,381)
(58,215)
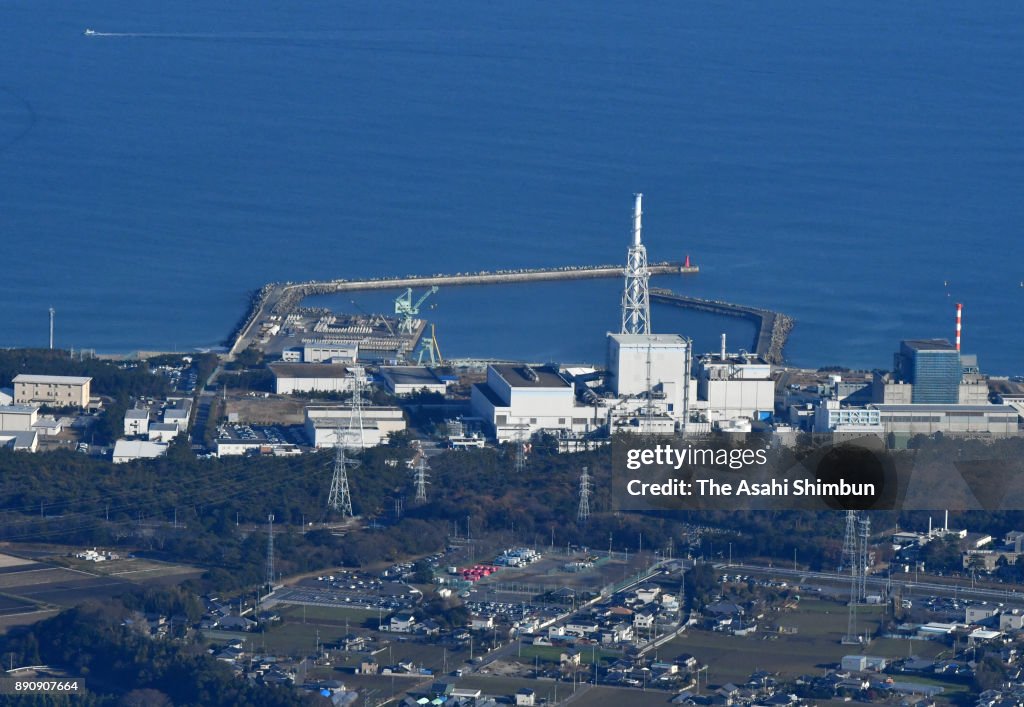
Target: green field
(326,615)
(551,654)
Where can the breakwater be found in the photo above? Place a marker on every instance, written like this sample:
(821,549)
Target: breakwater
(279,299)
(772,327)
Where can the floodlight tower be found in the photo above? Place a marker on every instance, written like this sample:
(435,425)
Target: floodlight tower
(636,302)
(584,508)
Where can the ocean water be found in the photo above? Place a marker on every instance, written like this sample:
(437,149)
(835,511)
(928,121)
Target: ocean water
(858,166)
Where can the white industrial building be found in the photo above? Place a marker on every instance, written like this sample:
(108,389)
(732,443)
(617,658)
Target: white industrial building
(18,418)
(318,351)
(162,431)
(20,440)
(831,418)
(325,424)
(177,412)
(58,391)
(409,380)
(731,386)
(520,399)
(126,450)
(136,422)
(986,421)
(656,362)
(310,377)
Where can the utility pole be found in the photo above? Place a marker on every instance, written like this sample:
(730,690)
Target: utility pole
(270,552)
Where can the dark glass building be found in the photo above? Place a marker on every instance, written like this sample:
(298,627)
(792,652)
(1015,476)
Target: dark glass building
(933,367)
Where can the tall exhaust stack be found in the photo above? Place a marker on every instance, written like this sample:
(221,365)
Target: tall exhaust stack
(636,304)
(723,345)
(637,216)
(959,319)
(51,327)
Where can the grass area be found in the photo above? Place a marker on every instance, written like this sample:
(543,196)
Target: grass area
(326,615)
(552,654)
(602,696)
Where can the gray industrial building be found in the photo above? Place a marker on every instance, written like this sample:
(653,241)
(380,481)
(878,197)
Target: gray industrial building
(986,421)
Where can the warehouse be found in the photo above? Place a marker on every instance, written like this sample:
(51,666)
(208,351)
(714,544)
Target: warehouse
(18,418)
(409,380)
(310,377)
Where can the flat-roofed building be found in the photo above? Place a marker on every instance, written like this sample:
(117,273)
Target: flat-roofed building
(57,391)
(136,422)
(317,351)
(178,412)
(409,380)
(20,440)
(636,361)
(18,418)
(126,450)
(735,385)
(905,421)
(933,367)
(163,431)
(326,425)
(310,377)
(521,399)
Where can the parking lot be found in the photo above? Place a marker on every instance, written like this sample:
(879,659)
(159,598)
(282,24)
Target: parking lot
(351,589)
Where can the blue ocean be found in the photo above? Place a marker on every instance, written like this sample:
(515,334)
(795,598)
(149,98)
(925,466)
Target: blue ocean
(858,166)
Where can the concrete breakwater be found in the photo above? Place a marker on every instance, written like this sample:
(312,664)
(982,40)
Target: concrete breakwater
(772,327)
(282,298)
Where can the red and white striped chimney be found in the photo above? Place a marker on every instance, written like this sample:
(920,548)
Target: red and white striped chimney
(959,316)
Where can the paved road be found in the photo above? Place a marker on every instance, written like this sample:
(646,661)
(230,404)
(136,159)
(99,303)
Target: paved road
(925,587)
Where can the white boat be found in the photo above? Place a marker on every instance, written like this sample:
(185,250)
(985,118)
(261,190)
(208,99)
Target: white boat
(90,32)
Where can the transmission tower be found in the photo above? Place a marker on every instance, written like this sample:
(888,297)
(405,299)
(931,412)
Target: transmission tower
(862,557)
(850,562)
(270,552)
(849,558)
(421,477)
(636,301)
(584,510)
(521,449)
(340,497)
